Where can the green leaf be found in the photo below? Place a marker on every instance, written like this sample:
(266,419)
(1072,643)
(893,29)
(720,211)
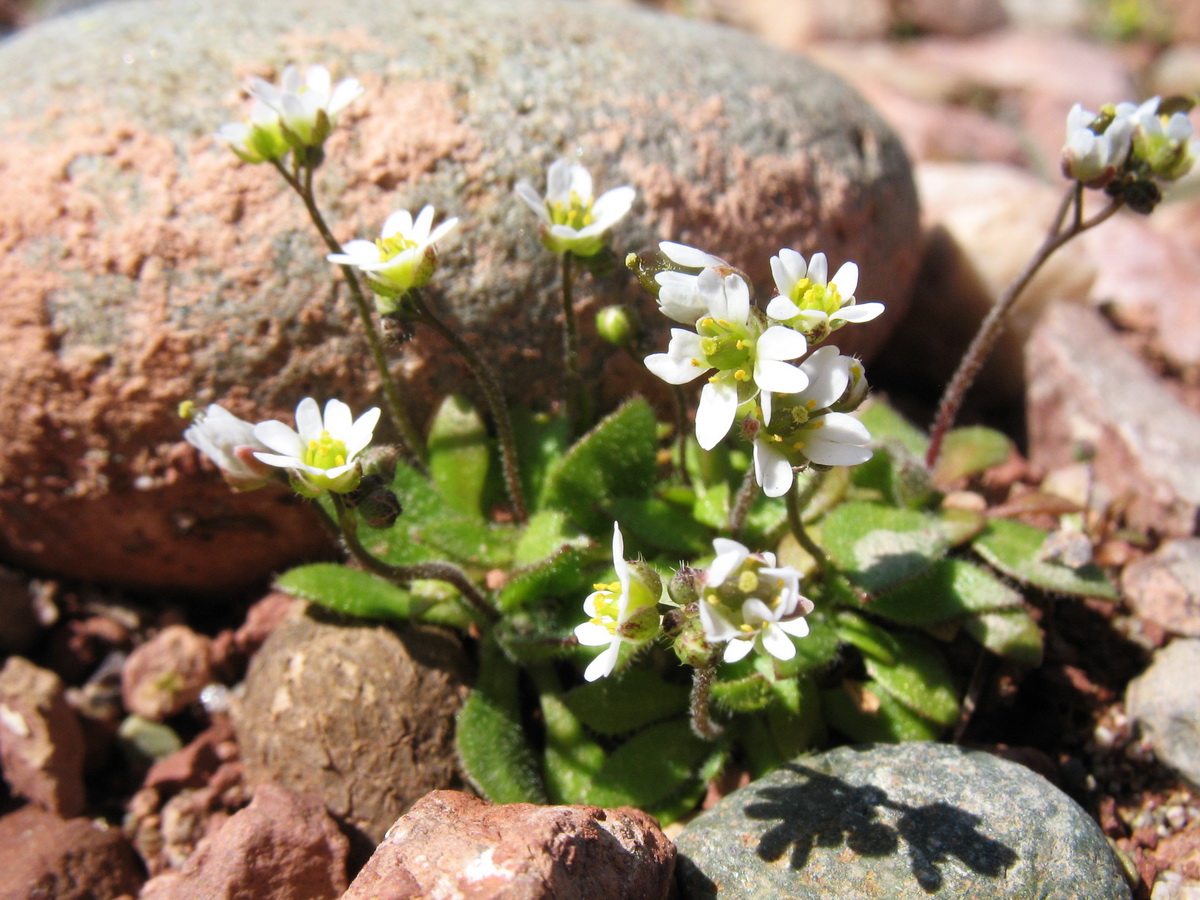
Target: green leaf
(657,523)
(961,526)
(879,547)
(918,679)
(813,651)
(1014,548)
(561,574)
(885,423)
(956,590)
(951,590)
(572,758)
(870,639)
(631,701)
(458,455)
(794,716)
(890,723)
(1009,633)
(471,542)
(712,506)
(491,740)
(617,458)
(651,767)
(546,532)
(350,591)
(749,694)
(970,451)
(541,442)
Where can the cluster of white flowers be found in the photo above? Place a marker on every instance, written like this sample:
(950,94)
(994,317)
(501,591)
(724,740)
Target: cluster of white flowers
(797,413)
(300,112)
(1143,139)
(323,453)
(745,601)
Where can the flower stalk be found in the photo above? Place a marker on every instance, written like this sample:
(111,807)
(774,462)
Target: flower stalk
(993,324)
(702,724)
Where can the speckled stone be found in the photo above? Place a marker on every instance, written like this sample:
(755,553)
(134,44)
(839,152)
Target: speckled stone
(144,265)
(905,822)
(1162,701)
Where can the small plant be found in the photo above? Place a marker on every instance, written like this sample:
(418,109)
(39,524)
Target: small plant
(823,575)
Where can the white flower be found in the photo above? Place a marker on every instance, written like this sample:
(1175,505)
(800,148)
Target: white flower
(732,340)
(308,109)
(749,601)
(618,613)
(573,219)
(401,259)
(801,428)
(230,443)
(259,138)
(1162,142)
(679,295)
(322,453)
(1095,158)
(811,303)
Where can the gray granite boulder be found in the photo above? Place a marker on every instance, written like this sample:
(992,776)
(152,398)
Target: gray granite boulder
(144,265)
(1163,703)
(903,821)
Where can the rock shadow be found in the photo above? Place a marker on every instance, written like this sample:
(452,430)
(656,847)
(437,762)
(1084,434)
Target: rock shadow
(824,811)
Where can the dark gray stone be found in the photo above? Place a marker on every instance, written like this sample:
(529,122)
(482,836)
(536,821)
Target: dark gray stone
(904,821)
(1162,701)
(144,265)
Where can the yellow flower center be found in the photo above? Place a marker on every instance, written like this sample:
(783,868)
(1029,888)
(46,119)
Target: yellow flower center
(325,452)
(824,297)
(574,213)
(391,247)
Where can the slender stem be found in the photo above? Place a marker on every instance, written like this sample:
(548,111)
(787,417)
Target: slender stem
(702,724)
(410,439)
(402,575)
(570,349)
(490,386)
(741,503)
(681,424)
(971,698)
(795,506)
(993,323)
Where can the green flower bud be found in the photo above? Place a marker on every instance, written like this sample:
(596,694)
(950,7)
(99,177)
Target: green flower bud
(691,646)
(618,325)
(682,587)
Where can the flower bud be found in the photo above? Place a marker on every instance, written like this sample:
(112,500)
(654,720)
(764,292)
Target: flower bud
(682,587)
(381,461)
(380,508)
(644,575)
(691,646)
(618,325)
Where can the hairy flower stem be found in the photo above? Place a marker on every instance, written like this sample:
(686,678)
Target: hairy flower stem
(742,502)
(993,323)
(411,444)
(702,724)
(797,499)
(403,575)
(490,386)
(573,395)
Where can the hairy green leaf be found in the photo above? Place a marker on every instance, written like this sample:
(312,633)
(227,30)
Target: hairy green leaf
(1014,548)
(880,547)
(458,455)
(629,702)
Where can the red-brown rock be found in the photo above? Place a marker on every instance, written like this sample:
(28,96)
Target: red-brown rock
(165,674)
(41,740)
(282,846)
(43,857)
(1084,385)
(452,846)
(1165,586)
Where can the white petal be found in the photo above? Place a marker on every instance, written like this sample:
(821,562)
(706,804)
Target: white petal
(755,612)
(797,627)
(859,312)
(591,634)
(673,370)
(400,222)
(423,224)
(715,414)
(280,438)
(283,462)
(780,377)
(778,644)
(362,431)
(737,300)
(781,342)
(716,627)
(338,419)
(818,269)
(612,205)
(772,470)
(729,555)
(356,253)
(442,230)
(782,308)
(531,198)
(846,280)
(688,257)
(347,91)
(736,650)
(308,420)
(603,664)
